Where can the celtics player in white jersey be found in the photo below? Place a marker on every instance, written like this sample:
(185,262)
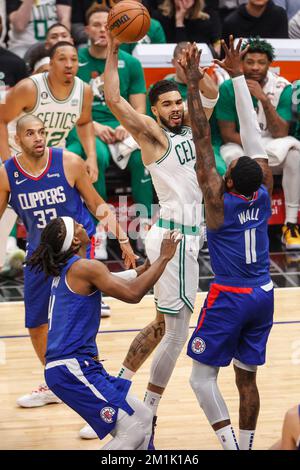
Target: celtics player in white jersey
(168,153)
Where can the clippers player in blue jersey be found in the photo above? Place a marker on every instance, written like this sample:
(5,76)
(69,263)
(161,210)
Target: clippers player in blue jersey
(237,316)
(73,370)
(40,184)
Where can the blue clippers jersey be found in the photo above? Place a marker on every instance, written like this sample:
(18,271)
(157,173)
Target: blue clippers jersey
(38,199)
(73,320)
(239,250)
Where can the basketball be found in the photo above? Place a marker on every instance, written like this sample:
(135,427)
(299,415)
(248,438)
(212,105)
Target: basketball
(128,21)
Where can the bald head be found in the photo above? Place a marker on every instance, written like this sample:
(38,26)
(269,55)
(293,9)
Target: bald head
(26,122)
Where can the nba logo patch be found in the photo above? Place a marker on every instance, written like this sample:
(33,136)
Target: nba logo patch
(198,345)
(107,414)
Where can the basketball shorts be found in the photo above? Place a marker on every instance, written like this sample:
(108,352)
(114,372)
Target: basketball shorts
(37,289)
(234,322)
(178,284)
(85,386)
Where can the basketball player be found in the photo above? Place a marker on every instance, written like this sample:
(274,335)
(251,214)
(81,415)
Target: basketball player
(73,370)
(62,101)
(237,315)
(169,155)
(40,184)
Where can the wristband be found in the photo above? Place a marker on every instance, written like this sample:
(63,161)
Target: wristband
(208,103)
(122,242)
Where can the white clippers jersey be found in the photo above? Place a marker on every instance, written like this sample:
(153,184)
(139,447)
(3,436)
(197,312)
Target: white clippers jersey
(175,181)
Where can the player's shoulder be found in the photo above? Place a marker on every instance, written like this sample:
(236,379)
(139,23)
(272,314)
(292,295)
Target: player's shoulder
(83,54)
(128,59)
(227,87)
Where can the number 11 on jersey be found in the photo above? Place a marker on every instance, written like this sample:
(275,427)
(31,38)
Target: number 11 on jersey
(250,246)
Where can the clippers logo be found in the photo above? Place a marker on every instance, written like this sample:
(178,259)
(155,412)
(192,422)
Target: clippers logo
(198,345)
(107,414)
(122,20)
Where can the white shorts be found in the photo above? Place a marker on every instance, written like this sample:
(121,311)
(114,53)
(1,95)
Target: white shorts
(178,284)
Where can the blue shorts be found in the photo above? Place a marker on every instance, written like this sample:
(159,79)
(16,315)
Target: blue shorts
(85,386)
(234,322)
(37,291)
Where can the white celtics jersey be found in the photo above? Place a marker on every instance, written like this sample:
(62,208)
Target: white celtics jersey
(59,116)
(43,15)
(175,180)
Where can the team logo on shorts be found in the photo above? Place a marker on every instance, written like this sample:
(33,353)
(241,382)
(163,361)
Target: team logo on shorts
(107,414)
(198,345)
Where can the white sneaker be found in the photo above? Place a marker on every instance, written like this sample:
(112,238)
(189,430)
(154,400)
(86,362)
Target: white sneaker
(87,432)
(40,397)
(100,244)
(105,310)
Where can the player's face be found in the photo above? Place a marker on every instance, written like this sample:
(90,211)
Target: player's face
(96,29)
(32,140)
(57,34)
(81,234)
(258,3)
(169,111)
(256,66)
(64,64)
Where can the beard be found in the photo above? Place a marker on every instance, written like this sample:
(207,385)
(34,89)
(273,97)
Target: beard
(174,129)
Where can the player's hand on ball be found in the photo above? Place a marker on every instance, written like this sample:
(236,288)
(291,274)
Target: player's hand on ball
(169,244)
(233,57)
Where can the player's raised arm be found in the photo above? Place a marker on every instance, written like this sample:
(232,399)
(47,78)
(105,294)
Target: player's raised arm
(141,127)
(249,127)
(209,180)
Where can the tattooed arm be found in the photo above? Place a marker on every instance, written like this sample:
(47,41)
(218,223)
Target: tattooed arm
(209,180)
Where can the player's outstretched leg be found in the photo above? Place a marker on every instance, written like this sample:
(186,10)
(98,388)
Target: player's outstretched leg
(165,357)
(142,346)
(203,381)
(245,376)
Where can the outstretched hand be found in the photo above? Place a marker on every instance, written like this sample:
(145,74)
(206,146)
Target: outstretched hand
(190,63)
(233,57)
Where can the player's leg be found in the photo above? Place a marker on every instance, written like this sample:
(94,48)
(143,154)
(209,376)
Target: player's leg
(250,353)
(142,346)
(203,381)
(245,378)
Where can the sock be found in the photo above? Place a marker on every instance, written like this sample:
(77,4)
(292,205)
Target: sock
(227,438)
(126,373)
(246,439)
(152,400)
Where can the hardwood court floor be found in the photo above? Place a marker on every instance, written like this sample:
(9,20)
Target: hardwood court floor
(181,424)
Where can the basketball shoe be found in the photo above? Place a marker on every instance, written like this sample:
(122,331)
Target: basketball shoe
(40,397)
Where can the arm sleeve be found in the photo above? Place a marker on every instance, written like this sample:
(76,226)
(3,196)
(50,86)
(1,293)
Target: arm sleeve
(249,128)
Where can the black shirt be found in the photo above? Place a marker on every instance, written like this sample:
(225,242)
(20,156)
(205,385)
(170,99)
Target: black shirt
(12,68)
(273,23)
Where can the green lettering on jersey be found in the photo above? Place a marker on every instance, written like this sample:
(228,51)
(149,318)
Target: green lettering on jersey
(184,152)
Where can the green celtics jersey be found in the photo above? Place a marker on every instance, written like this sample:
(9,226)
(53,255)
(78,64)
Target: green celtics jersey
(59,116)
(296,100)
(155,35)
(91,71)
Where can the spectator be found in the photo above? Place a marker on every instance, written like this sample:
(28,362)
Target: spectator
(56,33)
(107,128)
(228,6)
(291,6)
(29,21)
(257,18)
(296,106)
(3,22)
(189,20)
(155,35)
(294,26)
(272,100)
(290,437)
(205,86)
